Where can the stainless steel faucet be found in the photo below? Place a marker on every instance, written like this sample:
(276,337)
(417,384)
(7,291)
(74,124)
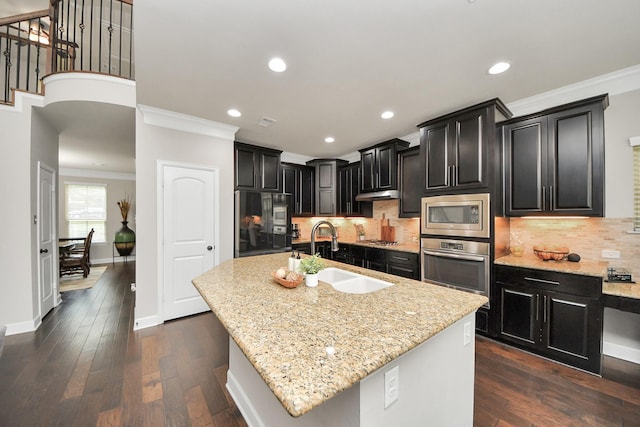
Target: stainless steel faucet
(334,237)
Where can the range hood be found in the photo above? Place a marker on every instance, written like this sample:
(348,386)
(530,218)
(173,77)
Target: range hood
(378,195)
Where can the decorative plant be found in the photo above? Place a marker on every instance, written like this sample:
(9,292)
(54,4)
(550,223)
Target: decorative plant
(125,206)
(312,264)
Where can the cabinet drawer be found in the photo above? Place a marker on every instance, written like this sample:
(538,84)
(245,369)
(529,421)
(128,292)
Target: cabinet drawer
(574,284)
(402,258)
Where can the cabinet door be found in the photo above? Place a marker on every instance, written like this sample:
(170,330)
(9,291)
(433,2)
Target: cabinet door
(368,171)
(576,153)
(410,189)
(572,330)
(326,194)
(344,190)
(519,315)
(269,172)
(245,168)
(291,185)
(386,164)
(470,162)
(525,169)
(434,153)
(307,191)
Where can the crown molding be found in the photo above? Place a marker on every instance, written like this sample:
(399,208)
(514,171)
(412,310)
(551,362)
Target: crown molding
(89,173)
(617,82)
(185,123)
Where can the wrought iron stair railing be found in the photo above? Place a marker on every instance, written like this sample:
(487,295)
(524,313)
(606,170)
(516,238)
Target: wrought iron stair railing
(73,35)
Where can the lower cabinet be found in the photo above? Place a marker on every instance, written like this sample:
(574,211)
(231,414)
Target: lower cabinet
(403,264)
(556,315)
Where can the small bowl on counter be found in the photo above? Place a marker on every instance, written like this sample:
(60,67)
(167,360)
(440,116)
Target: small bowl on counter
(548,253)
(291,280)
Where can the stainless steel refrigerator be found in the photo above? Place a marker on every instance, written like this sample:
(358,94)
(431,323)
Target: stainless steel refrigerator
(262,223)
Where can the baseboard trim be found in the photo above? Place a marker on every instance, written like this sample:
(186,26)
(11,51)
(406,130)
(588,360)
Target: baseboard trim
(146,322)
(621,352)
(23,327)
(112,260)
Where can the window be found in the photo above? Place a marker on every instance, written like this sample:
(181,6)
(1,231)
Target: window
(86,208)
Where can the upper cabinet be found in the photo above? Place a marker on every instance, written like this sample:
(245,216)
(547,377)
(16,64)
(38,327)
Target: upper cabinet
(410,192)
(326,185)
(459,150)
(298,180)
(257,168)
(554,161)
(348,188)
(379,166)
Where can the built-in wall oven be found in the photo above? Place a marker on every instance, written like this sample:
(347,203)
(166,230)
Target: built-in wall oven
(459,264)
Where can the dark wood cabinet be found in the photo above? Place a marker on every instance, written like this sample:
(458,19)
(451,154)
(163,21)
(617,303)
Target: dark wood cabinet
(556,315)
(298,180)
(257,168)
(458,151)
(326,185)
(554,161)
(409,183)
(348,189)
(379,167)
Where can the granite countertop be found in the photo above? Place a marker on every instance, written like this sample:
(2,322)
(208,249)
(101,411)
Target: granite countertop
(288,334)
(584,267)
(404,247)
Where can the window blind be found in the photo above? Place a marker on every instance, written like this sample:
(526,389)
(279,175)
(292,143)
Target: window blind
(86,208)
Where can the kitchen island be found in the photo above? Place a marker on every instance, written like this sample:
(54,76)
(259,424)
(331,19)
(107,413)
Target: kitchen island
(316,356)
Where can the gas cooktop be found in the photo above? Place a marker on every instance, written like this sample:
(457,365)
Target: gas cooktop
(378,242)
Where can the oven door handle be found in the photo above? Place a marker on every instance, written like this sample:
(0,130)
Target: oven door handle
(456,256)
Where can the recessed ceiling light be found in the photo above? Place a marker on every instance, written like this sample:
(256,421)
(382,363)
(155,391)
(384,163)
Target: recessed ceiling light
(277,65)
(329,139)
(387,114)
(499,67)
(234,113)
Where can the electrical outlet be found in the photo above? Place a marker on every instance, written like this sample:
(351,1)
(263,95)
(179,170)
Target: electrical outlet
(610,253)
(391,386)
(133,287)
(467,333)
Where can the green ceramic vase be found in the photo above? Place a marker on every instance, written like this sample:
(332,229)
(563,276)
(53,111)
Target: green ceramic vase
(125,240)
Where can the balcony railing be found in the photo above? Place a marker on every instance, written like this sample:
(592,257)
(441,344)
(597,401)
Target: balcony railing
(73,35)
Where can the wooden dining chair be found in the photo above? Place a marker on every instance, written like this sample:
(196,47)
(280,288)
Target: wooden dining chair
(75,263)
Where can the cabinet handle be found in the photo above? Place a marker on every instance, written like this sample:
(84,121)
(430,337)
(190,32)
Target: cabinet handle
(551,197)
(544,198)
(454,177)
(537,307)
(348,208)
(548,282)
(448,177)
(400,257)
(545,310)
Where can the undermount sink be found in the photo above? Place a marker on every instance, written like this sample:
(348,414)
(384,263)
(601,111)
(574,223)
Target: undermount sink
(351,283)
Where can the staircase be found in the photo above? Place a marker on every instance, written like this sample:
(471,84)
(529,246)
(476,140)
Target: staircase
(72,36)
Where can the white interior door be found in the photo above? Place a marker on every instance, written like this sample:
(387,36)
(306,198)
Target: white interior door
(47,248)
(189,217)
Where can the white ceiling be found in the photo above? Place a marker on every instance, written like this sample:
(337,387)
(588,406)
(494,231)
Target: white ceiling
(348,61)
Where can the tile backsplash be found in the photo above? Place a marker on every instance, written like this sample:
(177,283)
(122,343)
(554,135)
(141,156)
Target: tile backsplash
(584,236)
(407,230)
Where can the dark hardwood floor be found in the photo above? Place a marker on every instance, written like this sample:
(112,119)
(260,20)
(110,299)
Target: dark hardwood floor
(85,366)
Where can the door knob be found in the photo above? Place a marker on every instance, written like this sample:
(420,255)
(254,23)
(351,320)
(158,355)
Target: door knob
(44,251)
(209,248)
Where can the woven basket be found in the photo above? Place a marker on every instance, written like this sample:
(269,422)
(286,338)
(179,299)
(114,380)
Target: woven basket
(287,283)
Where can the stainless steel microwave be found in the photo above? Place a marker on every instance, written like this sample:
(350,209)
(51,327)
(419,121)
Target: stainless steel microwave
(460,215)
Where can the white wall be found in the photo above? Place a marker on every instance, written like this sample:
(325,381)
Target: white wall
(117,189)
(26,139)
(621,121)
(198,142)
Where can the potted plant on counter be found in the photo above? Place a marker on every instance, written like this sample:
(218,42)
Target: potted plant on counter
(311,266)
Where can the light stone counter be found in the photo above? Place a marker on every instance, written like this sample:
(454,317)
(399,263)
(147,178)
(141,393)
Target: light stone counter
(584,267)
(286,333)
